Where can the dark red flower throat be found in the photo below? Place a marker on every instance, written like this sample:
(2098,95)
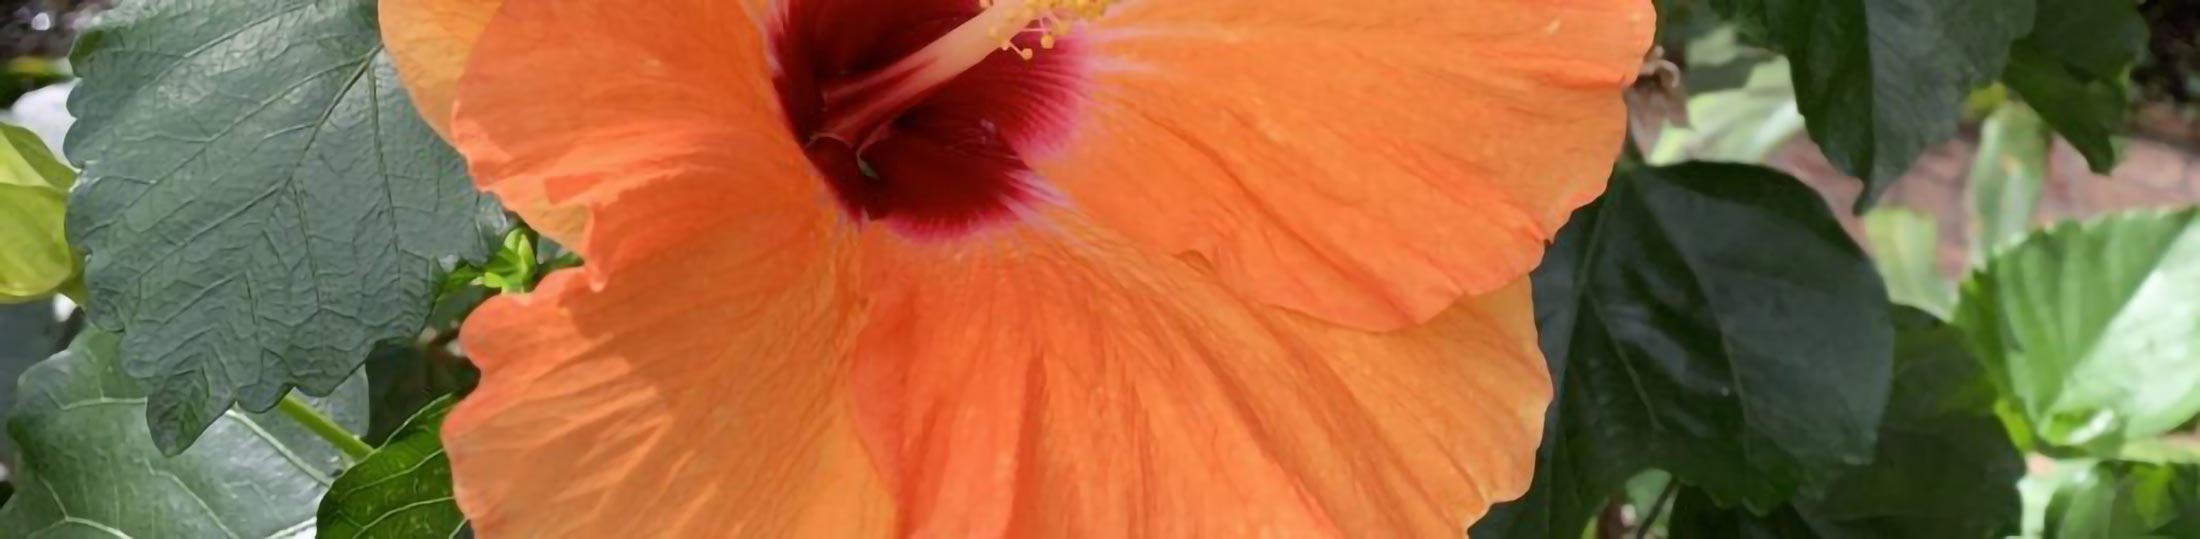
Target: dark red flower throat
(931,153)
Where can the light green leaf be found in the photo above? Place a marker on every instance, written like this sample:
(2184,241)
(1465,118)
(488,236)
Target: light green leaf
(2171,449)
(2074,67)
(89,470)
(1679,342)
(2117,499)
(2006,177)
(1880,80)
(402,491)
(262,205)
(1740,125)
(1716,56)
(512,269)
(1646,493)
(26,161)
(35,259)
(1905,246)
(2091,330)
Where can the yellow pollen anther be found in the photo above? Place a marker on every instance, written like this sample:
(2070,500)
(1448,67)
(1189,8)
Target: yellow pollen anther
(1051,19)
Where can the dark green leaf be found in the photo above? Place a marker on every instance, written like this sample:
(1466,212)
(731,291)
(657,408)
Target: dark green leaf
(2074,68)
(1944,467)
(261,206)
(404,379)
(1879,81)
(90,471)
(2090,328)
(402,491)
(1696,515)
(27,335)
(1680,342)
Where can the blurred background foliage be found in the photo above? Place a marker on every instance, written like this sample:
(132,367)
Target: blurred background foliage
(1868,268)
(2038,258)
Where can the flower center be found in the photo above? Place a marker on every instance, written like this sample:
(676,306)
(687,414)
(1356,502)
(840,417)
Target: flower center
(917,120)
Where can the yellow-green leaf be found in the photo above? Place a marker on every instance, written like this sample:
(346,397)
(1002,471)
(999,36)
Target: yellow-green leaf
(1905,246)
(35,259)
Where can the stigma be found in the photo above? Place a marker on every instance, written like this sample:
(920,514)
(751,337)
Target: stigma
(923,123)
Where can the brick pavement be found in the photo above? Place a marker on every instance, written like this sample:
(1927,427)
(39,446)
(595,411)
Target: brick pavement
(2156,172)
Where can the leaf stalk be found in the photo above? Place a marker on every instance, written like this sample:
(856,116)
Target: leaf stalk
(298,410)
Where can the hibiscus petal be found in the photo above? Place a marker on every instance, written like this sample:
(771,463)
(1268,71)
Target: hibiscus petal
(695,394)
(1056,381)
(1049,379)
(1364,162)
(429,40)
(661,92)
(696,398)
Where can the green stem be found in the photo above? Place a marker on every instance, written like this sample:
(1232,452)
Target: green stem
(297,409)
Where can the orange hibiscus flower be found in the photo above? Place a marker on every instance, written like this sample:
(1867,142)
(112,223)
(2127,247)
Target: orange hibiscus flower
(860,267)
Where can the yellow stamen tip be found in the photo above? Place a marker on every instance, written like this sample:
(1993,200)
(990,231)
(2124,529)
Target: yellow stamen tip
(1053,18)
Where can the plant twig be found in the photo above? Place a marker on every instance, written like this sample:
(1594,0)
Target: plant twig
(336,435)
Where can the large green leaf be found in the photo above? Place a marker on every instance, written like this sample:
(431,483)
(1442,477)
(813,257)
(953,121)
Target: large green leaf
(35,259)
(1679,341)
(2075,69)
(90,471)
(2091,328)
(401,491)
(1944,467)
(1878,81)
(262,205)
(2006,178)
